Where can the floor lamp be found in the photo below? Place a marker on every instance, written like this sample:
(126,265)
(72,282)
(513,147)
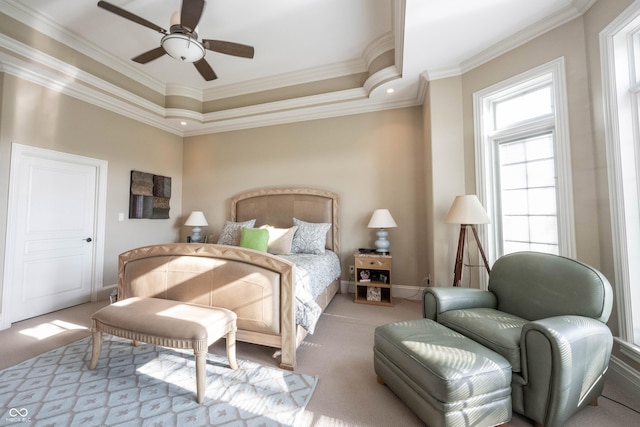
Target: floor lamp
(467,211)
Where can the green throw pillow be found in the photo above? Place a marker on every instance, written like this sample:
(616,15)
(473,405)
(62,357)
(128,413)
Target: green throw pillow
(255,238)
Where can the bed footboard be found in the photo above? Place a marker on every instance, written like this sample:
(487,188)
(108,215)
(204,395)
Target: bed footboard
(255,285)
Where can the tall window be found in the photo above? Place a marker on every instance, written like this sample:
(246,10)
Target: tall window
(528,195)
(620,53)
(522,163)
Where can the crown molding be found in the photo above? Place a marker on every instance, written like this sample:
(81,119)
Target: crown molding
(570,12)
(83,86)
(423,85)
(286,79)
(49,28)
(381,77)
(75,88)
(300,114)
(377,47)
(442,73)
(399,8)
(176,89)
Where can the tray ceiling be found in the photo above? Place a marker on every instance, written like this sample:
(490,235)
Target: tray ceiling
(313,58)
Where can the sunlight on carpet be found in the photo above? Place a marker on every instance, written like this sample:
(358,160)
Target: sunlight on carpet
(147,385)
(49,329)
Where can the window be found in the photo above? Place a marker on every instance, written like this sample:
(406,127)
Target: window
(528,195)
(620,53)
(522,163)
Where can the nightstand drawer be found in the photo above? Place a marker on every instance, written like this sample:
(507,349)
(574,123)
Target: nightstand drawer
(371,262)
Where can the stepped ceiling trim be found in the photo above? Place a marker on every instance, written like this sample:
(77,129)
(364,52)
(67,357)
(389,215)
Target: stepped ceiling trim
(408,73)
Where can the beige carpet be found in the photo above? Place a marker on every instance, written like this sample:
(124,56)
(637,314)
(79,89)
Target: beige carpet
(340,353)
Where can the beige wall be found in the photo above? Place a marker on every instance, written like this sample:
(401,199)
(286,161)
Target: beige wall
(36,116)
(578,42)
(568,42)
(445,145)
(372,160)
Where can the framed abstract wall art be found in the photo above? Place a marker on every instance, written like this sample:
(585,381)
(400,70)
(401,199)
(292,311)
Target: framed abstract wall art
(150,196)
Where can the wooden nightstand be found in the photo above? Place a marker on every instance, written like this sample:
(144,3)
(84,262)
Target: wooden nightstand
(373,279)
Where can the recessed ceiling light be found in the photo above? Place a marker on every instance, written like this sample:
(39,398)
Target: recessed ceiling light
(390,90)
(183,123)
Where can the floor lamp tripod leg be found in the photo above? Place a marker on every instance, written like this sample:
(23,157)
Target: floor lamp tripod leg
(457,271)
(484,258)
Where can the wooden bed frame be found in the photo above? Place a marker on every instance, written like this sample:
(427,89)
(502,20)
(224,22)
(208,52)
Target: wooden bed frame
(277,207)
(258,286)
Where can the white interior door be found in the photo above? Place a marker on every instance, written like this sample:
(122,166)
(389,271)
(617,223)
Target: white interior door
(53,201)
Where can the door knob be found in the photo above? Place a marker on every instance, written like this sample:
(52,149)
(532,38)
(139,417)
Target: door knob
(88,239)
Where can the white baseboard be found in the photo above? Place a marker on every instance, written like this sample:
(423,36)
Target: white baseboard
(399,291)
(624,376)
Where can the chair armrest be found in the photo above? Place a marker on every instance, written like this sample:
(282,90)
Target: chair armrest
(439,300)
(564,359)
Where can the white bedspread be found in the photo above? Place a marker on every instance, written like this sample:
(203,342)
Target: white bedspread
(313,274)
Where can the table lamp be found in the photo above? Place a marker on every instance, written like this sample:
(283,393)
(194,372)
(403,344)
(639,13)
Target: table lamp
(196,220)
(382,219)
(467,211)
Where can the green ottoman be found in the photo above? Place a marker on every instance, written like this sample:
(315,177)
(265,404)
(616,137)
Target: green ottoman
(446,378)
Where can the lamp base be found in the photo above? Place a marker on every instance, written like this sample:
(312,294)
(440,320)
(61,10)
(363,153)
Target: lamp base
(196,237)
(382,244)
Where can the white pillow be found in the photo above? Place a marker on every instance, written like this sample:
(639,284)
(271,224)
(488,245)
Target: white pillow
(232,231)
(310,238)
(280,239)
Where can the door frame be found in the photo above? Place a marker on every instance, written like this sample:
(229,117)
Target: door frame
(18,153)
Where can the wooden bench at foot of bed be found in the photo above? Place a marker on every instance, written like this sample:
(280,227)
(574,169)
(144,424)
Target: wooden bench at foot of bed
(169,324)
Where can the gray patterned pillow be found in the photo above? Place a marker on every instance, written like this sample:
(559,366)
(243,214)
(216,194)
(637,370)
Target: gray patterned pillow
(232,231)
(310,238)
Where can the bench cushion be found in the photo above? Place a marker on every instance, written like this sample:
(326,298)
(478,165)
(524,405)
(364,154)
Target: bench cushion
(171,320)
(494,329)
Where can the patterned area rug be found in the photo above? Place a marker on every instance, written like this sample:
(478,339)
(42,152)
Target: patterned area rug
(147,386)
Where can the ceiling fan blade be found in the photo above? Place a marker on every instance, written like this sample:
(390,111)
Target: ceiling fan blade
(205,70)
(130,16)
(191,13)
(150,55)
(229,48)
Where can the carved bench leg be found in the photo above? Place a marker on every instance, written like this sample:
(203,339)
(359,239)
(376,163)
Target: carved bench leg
(96,347)
(201,374)
(231,350)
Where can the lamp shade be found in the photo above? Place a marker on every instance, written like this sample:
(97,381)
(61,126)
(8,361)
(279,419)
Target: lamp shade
(381,218)
(196,219)
(467,210)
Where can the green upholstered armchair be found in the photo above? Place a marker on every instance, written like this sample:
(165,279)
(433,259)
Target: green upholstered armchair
(546,315)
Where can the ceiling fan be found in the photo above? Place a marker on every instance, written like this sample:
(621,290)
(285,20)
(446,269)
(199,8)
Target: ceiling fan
(181,42)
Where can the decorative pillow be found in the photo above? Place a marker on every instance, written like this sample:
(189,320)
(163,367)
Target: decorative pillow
(310,238)
(231,232)
(280,239)
(255,238)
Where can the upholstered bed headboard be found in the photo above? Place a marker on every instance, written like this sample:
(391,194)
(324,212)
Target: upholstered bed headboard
(278,206)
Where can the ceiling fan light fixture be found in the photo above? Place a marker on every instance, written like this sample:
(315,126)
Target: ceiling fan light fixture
(183,47)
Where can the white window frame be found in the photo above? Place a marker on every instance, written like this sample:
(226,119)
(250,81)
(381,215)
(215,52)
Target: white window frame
(486,162)
(621,130)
